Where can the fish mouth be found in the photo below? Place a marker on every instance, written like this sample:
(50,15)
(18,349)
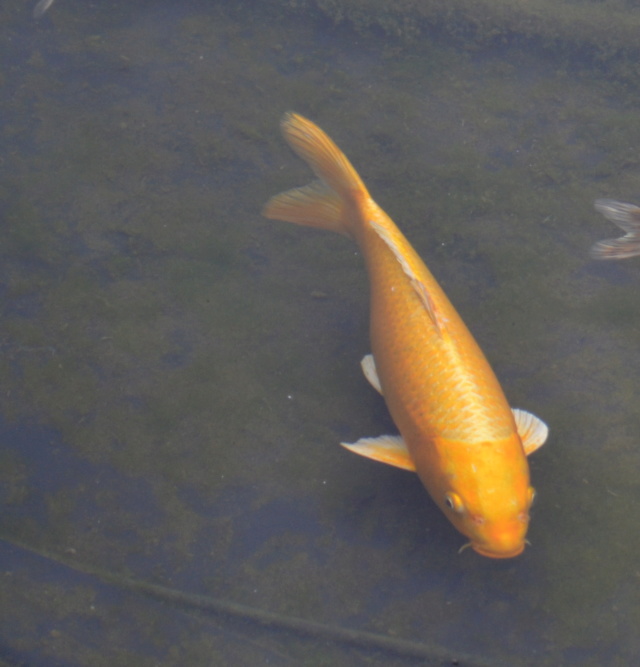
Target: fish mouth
(490,553)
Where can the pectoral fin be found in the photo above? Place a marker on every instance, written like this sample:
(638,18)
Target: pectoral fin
(389,449)
(532,431)
(369,369)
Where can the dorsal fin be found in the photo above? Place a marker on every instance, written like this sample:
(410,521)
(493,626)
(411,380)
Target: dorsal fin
(419,287)
(532,431)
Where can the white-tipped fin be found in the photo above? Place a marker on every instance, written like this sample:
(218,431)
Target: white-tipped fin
(389,449)
(416,283)
(532,431)
(369,369)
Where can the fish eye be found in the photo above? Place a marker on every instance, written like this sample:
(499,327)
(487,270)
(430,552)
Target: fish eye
(454,502)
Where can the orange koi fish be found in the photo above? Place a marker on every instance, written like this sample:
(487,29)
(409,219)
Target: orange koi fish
(457,429)
(627,217)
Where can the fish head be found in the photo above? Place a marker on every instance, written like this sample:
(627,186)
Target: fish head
(495,533)
(487,498)
(503,538)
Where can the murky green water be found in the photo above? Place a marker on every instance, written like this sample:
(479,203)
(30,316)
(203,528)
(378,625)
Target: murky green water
(177,371)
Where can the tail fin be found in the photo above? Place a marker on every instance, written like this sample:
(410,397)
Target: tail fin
(627,217)
(321,203)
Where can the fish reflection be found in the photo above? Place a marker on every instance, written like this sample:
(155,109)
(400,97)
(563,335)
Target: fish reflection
(627,217)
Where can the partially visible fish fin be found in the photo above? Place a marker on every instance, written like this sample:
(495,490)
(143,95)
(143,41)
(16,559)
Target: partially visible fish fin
(418,286)
(320,152)
(340,180)
(532,431)
(622,248)
(41,8)
(627,217)
(369,369)
(390,449)
(314,205)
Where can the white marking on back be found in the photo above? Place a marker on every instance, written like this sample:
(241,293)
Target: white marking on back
(418,286)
